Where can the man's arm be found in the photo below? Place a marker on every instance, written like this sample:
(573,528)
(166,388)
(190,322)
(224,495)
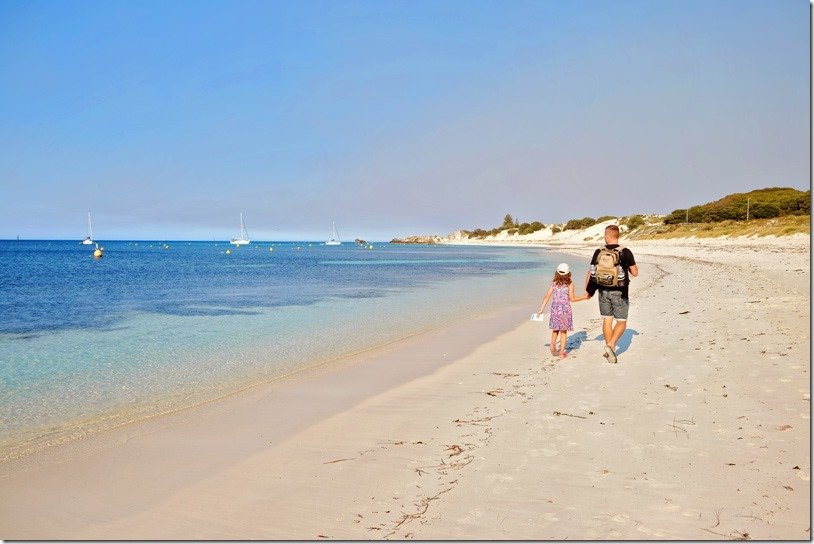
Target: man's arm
(633,269)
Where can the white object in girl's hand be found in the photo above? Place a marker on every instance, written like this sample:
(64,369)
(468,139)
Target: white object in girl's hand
(537,317)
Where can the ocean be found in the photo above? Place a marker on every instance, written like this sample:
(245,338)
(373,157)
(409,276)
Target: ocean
(90,344)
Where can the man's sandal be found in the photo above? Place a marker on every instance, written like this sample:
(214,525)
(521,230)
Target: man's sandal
(609,354)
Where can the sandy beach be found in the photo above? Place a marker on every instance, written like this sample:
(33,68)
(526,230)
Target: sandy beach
(701,431)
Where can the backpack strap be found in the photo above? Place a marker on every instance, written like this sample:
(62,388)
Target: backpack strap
(620,249)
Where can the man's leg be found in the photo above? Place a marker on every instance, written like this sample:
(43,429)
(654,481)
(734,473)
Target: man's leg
(620,312)
(607,330)
(606,311)
(618,331)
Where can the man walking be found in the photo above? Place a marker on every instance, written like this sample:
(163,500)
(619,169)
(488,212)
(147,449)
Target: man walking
(612,267)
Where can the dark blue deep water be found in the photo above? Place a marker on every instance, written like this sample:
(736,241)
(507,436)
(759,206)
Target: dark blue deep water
(53,285)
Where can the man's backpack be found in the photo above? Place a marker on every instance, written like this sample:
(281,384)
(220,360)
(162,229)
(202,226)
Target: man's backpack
(608,271)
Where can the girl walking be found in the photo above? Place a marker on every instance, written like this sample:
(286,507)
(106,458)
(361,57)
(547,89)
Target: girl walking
(561,321)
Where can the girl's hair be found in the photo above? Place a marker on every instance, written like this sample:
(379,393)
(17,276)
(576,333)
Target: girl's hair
(562,279)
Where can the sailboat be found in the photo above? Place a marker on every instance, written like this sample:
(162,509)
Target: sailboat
(244,236)
(334,241)
(89,238)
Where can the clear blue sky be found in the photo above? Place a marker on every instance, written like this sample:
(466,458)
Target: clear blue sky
(167,119)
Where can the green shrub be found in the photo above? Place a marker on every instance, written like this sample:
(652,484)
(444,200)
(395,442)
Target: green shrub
(512,231)
(576,224)
(605,218)
(675,217)
(508,221)
(762,210)
(634,222)
(679,216)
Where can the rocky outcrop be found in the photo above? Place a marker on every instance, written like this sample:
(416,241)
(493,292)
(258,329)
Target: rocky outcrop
(457,236)
(432,239)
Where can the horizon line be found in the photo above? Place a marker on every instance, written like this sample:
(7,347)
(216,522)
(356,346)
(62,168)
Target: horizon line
(79,241)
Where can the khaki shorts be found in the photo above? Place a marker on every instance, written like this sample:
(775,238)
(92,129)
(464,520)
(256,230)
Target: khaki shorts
(611,304)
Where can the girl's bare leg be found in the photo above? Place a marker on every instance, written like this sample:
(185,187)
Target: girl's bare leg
(554,342)
(563,341)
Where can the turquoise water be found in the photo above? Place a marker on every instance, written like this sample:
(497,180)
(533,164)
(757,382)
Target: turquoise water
(89,344)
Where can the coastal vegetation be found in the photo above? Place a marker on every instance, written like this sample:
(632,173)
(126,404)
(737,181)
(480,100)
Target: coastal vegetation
(727,216)
(776,226)
(757,204)
(634,221)
(510,225)
(579,224)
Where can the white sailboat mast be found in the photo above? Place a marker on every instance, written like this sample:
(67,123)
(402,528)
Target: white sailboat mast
(243,234)
(334,241)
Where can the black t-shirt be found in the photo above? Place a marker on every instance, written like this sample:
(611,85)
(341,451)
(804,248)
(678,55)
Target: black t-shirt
(626,259)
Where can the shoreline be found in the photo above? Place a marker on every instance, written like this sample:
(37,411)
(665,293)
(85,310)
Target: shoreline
(291,403)
(494,382)
(265,359)
(78,445)
(20,457)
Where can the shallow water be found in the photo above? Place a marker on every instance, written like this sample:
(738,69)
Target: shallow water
(89,344)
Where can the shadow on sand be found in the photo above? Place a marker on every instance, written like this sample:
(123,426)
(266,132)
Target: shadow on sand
(574,341)
(624,342)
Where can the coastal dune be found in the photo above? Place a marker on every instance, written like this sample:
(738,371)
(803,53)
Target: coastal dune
(701,431)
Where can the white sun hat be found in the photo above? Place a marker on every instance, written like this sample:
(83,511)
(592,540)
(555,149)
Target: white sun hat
(563,269)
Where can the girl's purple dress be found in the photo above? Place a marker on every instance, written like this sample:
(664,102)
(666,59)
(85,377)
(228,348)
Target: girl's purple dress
(561,317)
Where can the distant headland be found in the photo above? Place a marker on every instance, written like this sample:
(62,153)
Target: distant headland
(773,211)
